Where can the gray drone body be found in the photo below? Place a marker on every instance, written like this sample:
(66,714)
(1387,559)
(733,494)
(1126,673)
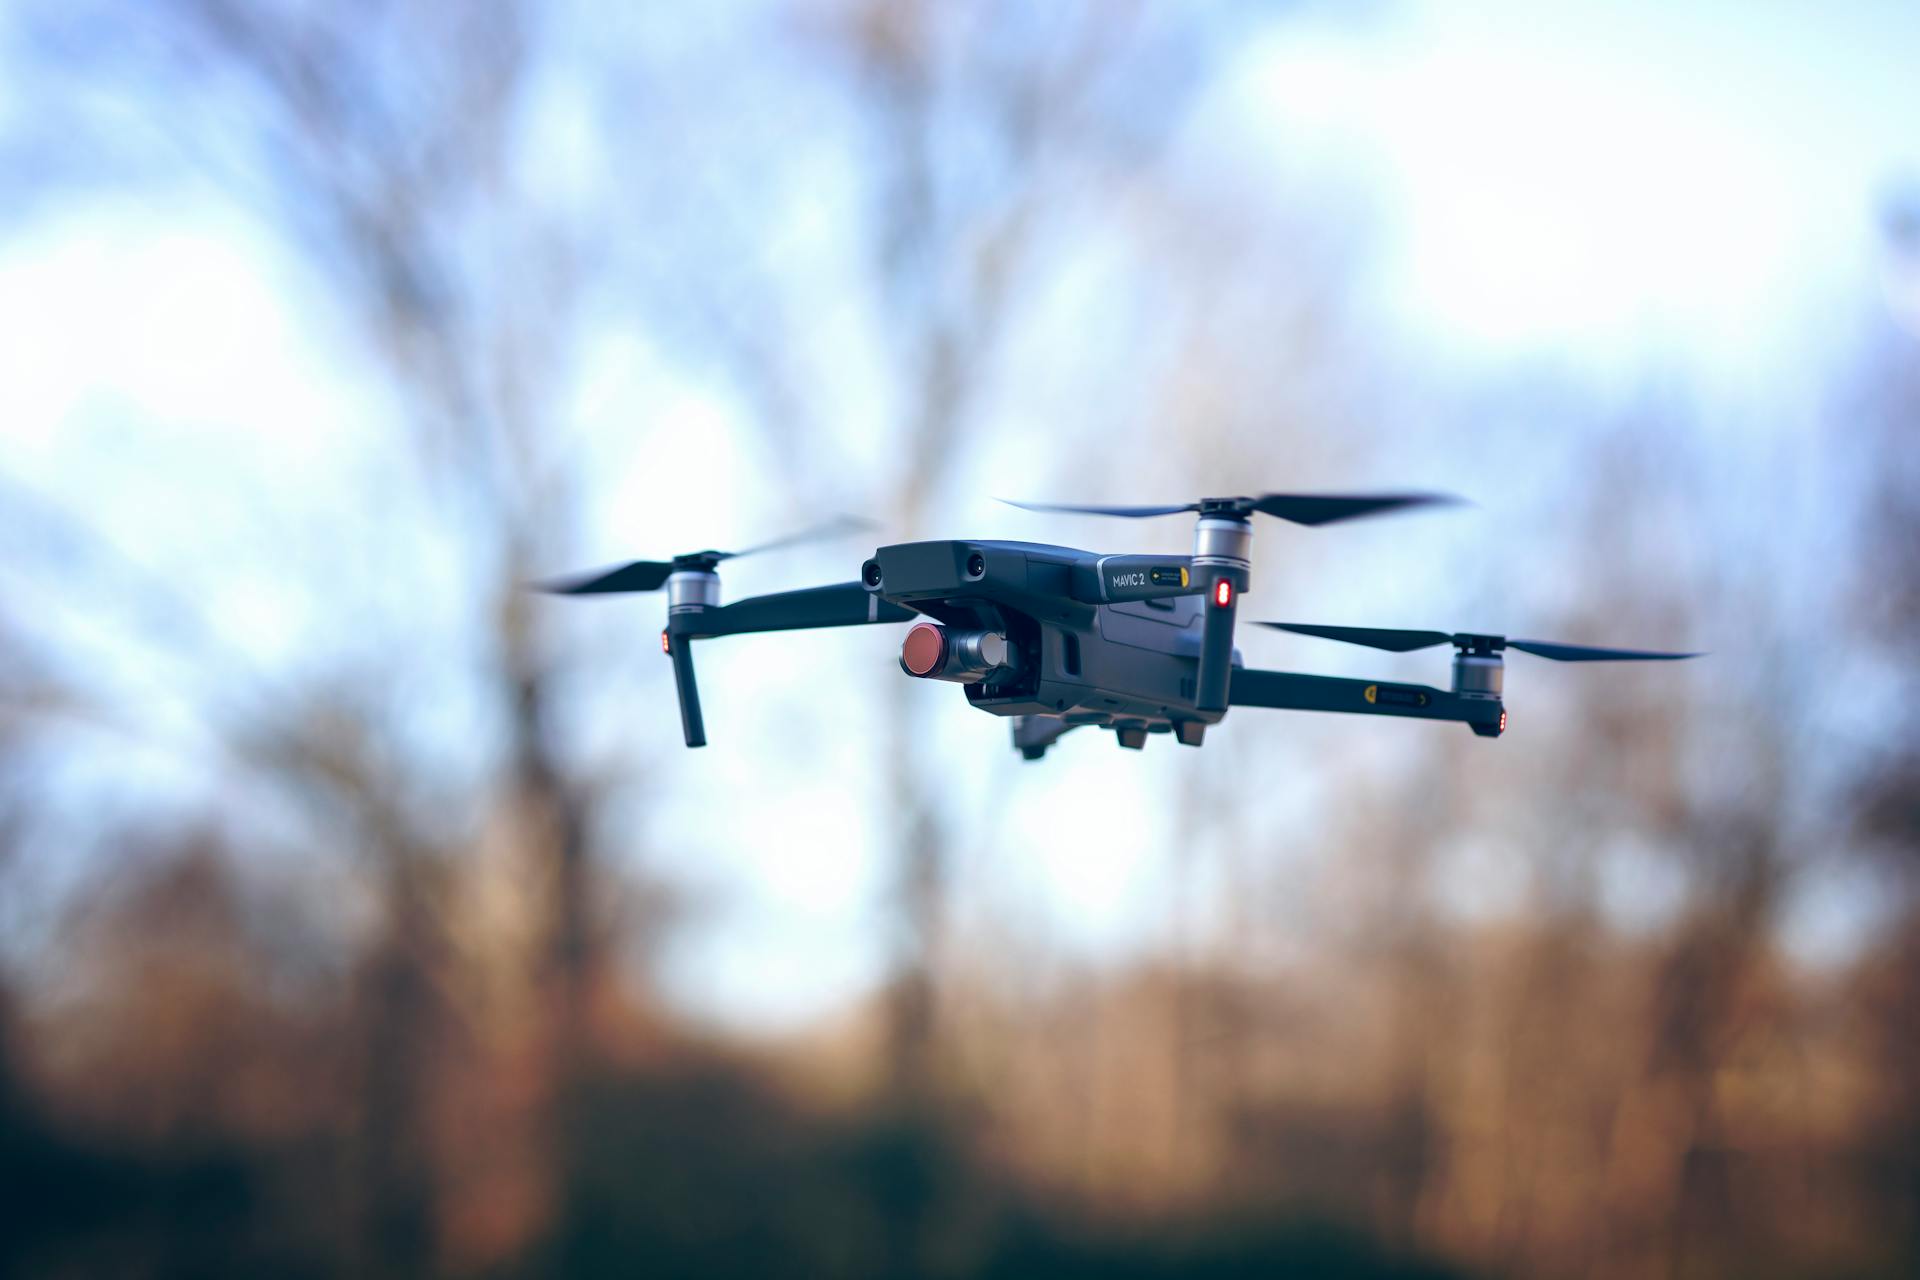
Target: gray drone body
(1058,638)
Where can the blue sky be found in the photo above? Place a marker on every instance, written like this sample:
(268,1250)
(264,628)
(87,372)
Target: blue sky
(1620,183)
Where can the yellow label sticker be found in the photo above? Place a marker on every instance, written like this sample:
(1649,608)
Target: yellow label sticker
(1183,575)
(1373,691)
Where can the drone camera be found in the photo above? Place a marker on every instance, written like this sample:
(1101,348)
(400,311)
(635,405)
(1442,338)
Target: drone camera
(933,652)
(976,565)
(870,575)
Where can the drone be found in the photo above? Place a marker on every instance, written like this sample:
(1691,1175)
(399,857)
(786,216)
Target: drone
(1056,638)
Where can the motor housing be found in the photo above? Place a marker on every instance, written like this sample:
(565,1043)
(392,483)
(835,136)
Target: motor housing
(691,590)
(1478,675)
(1223,542)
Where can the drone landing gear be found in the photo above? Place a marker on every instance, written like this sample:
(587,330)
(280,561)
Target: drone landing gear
(1034,734)
(1133,737)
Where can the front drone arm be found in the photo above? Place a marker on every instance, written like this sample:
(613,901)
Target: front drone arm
(1291,691)
(844,604)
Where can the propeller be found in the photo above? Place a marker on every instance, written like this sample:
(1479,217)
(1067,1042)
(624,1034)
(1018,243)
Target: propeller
(1397,641)
(651,575)
(1300,508)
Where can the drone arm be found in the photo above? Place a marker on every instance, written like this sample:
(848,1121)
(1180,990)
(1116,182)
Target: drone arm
(1291,691)
(844,604)
(693,611)
(1215,675)
(688,691)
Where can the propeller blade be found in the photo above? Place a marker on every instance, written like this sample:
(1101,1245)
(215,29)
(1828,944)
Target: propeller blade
(1588,653)
(651,575)
(641,575)
(1395,640)
(1391,639)
(817,533)
(1327,508)
(1300,508)
(1132,513)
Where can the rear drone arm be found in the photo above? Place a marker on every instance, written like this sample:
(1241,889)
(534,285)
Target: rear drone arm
(1291,691)
(1477,675)
(843,604)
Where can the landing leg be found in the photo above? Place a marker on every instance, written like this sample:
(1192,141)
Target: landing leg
(1032,735)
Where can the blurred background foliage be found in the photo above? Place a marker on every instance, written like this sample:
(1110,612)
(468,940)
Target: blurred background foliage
(362,914)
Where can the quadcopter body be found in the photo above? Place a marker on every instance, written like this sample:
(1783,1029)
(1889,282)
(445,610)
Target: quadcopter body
(1058,638)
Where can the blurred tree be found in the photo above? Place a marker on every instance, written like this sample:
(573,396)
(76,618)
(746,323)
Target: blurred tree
(380,142)
(955,244)
(1885,589)
(985,139)
(375,139)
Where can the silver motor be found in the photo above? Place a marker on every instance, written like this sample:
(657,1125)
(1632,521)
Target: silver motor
(1478,675)
(1222,542)
(689,590)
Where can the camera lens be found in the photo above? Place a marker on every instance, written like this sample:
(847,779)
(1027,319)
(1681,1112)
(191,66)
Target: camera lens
(976,565)
(870,573)
(924,649)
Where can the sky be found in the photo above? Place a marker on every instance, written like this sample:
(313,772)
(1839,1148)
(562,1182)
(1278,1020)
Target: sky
(1617,189)
(1626,183)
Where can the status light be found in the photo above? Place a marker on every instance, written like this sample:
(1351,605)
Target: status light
(1223,592)
(1503,719)
(663,643)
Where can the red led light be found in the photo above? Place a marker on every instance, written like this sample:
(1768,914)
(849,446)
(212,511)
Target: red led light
(663,643)
(1223,592)
(1503,719)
